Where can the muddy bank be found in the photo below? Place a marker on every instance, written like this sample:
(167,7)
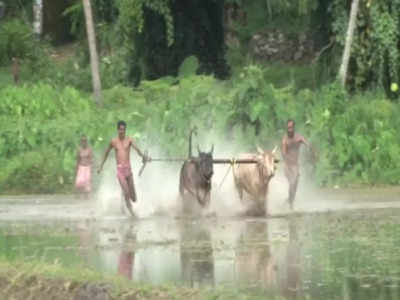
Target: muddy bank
(18,286)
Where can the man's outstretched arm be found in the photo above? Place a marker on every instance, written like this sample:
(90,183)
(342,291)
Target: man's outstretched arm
(305,142)
(141,154)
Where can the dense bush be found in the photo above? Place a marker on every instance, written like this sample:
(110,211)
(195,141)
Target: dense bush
(355,137)
(18,40)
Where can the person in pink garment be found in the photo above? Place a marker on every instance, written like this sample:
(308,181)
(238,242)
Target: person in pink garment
(83,172)
(122,145)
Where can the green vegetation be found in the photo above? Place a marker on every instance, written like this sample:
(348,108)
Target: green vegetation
(28,279)
(354,135)
(162,86)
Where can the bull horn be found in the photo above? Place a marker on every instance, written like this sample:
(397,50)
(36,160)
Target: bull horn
(261,151)
(212,148)
(274,150)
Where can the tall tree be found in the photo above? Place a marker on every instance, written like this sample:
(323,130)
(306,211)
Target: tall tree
(349,39)
(94,61)
(38,17)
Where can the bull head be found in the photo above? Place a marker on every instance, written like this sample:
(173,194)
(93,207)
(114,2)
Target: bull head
(276,160)
(266,163)
(211,151)
(204,164)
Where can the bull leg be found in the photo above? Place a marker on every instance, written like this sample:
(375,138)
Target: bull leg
(240,192)
(181,185)
(207,199)
(199,199)
(239,189)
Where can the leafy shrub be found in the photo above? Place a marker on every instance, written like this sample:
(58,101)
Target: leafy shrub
(355,137)
(189,66)
(18,40)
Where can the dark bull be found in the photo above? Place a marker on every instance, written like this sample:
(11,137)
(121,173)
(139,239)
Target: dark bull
(195,177)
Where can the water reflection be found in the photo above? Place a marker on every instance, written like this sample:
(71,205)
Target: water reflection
(255,264)
(331,256)
(115,247)
(260,253)
(293,288)
(268,256)
(196,253)
(127,254)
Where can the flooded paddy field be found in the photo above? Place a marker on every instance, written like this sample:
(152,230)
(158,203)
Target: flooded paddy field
(347,251)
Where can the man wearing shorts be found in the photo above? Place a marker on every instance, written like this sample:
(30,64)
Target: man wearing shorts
(291,143)
(122,145)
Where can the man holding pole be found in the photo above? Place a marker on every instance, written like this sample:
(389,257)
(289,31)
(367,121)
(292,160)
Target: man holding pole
(121,145)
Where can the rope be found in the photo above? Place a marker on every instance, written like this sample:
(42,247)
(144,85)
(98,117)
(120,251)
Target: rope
(232,163)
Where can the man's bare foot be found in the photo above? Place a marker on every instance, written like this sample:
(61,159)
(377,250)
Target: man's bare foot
(129,205)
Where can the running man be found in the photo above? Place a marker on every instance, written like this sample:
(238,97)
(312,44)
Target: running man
(121,145)
(291,143)
(83,169)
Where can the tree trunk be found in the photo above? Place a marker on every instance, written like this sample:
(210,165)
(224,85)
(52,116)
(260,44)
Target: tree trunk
(38,17)
(349,39)
(94,61)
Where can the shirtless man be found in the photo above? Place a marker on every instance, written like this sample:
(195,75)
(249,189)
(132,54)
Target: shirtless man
(84,159)
(121,145)
(291,143)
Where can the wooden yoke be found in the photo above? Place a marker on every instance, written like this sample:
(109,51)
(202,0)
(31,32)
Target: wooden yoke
(234,161)
(230,161)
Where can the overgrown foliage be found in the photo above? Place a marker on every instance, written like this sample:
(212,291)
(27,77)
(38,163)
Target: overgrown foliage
(41,126)
(355,136)
(375,56)
(17,40)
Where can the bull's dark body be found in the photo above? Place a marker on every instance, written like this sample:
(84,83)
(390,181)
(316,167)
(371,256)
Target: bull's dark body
(193,182)
(196,174)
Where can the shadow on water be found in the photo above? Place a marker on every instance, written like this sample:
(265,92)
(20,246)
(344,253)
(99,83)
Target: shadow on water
(341,256)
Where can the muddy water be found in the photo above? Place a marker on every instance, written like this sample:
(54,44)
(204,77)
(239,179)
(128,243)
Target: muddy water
(349,254)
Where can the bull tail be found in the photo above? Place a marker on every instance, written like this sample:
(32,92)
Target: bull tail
(193,130)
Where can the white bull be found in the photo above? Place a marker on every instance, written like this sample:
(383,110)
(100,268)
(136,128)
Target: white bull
(254,178)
